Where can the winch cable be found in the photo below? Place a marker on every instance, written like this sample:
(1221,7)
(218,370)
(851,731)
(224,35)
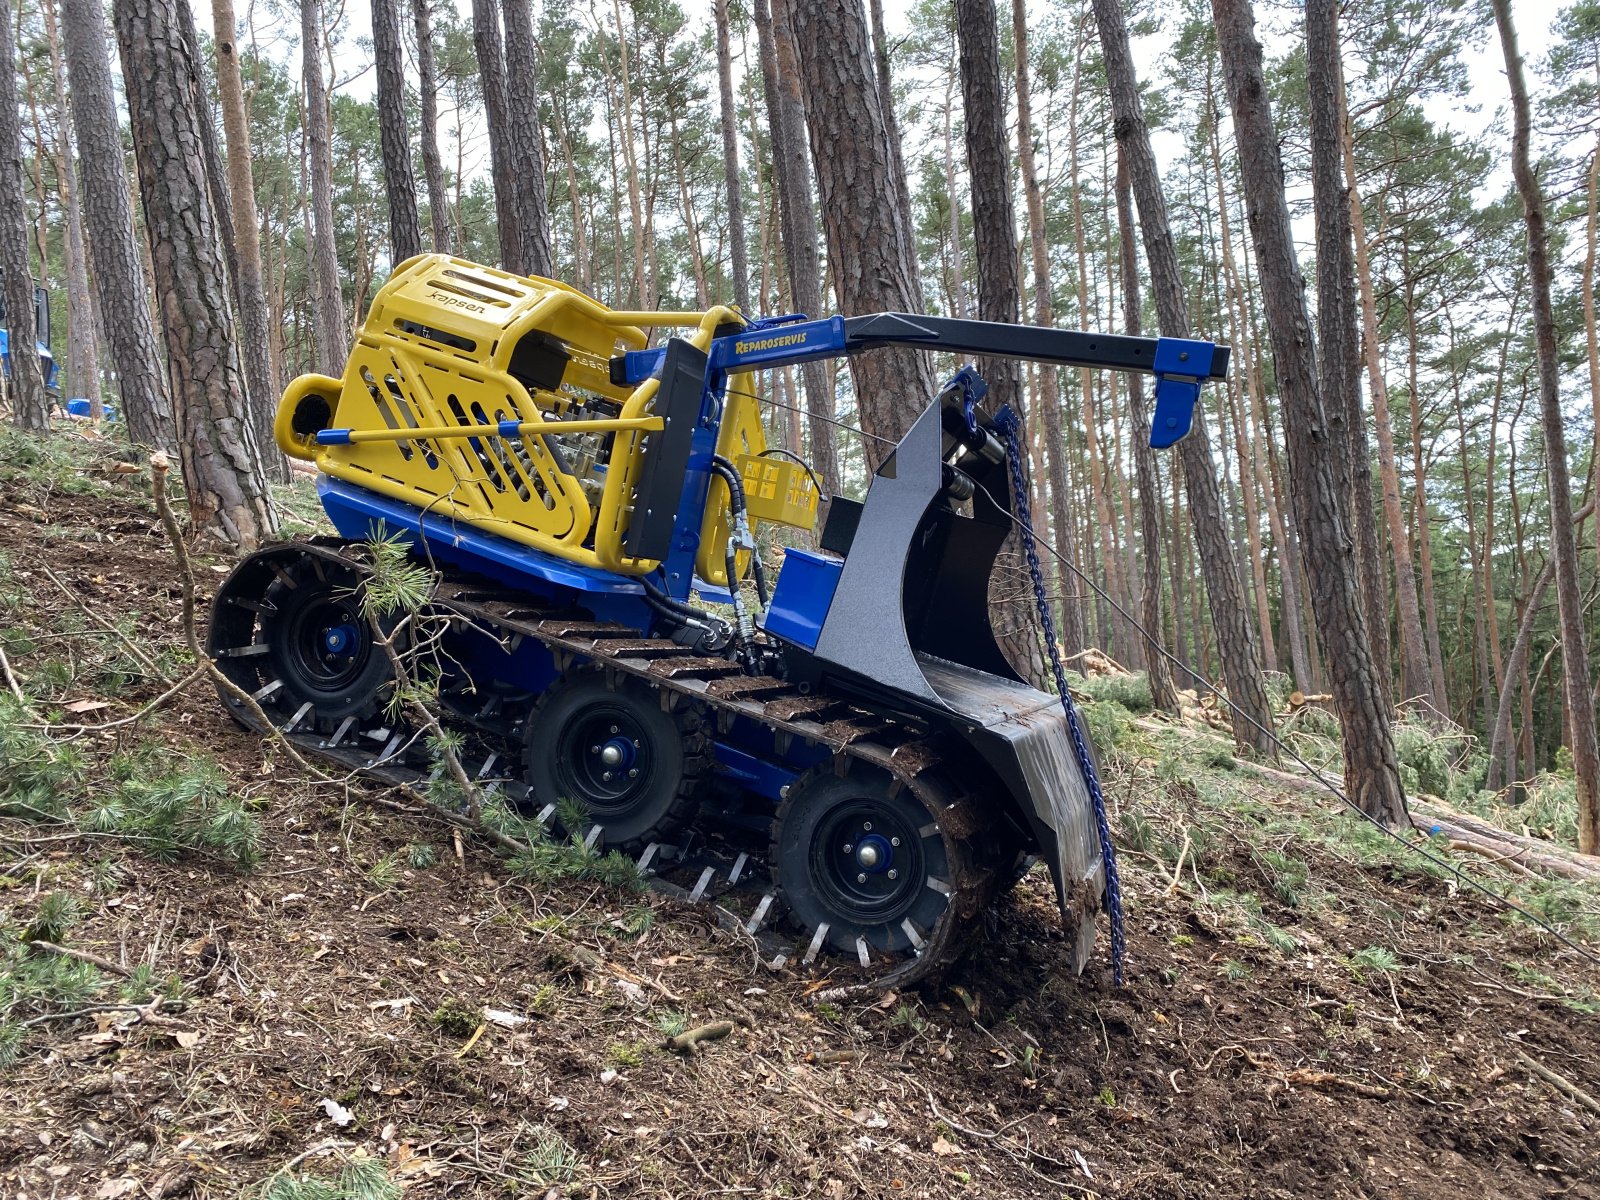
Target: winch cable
(1453,869)
(1010,424)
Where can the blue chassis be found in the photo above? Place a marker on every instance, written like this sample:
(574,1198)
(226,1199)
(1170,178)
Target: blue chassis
(746,755)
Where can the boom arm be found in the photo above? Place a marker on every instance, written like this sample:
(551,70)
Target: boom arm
(1180,365)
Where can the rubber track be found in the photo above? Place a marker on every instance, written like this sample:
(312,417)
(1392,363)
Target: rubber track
(853,734)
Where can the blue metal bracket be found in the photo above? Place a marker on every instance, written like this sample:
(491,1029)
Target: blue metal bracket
(973,388)
(1181,366)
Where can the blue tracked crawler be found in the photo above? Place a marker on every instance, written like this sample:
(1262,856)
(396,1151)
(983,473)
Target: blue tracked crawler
(848,765)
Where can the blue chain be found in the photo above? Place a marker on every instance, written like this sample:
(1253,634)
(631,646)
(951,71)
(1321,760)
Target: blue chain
(1011,425)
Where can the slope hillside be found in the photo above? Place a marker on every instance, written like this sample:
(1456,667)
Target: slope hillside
(221,977)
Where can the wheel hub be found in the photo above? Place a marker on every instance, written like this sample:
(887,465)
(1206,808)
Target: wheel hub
(867,862)
(341,640)
(604,760)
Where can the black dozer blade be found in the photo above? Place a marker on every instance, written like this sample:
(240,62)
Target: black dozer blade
(909,625)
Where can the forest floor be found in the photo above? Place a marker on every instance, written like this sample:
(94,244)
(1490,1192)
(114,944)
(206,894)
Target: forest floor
(291,988)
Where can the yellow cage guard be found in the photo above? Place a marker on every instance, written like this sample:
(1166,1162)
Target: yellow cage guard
(450,350)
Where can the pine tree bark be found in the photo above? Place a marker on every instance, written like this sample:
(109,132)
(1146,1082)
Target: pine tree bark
(1339,378)
(1563,543)
(871,253)
(83,352)
(1048,409)
(332,333)
(30,406)
(1371,770)
(730,158)
(394,138)
(226,488)
(526,140)
(1415,676)
(487,45)
(1250,708)
(630,161)
(791,166)
(428,101)
(246,244)
(1162,693)
(114,258)
(1011,608)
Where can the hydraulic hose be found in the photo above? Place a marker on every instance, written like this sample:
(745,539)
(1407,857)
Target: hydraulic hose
(739,508)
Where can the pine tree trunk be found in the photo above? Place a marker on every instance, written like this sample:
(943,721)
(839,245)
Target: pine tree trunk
(630,162)
(1423,538)
(1340,375)
(871,253)
(1011,609)
(1371,770)
(891,119)
(1250,708)
(30,406)
(1563,542)
(527,142)
(1414,674)
(791,167)
(246,243)
(1047,413)
(1591,327)
(226,489)
(114,257)
(394,138)
(1501,771)
(1162,694)
(1340,379)
(83,352)
(956,274)
(492,71)
(328,320)
(428,101)
(730,157)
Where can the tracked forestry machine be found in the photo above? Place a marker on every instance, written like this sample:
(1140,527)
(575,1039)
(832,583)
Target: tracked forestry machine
(843,760)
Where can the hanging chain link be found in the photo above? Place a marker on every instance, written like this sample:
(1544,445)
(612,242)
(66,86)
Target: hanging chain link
(1010,424)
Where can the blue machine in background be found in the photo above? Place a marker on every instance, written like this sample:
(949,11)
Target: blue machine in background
(41,324)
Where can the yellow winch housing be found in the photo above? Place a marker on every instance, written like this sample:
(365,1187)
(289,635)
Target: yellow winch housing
(451,350)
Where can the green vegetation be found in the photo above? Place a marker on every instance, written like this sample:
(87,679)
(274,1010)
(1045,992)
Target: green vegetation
(456,1018)
(359,1179)
(550,1160)
(159,802)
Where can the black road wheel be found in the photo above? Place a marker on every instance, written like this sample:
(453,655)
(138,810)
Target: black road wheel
(635,769)
(867,860)
(319,644)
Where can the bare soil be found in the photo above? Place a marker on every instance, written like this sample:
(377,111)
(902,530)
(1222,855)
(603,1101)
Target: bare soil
(1224,1067)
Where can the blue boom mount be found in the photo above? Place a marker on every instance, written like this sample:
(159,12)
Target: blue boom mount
(865,720)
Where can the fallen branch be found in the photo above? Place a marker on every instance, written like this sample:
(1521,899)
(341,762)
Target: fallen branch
(11,680)
(105,964)
(1432,816)
(1306,1077)
(145,660)
(688,1042)
(1559,1082)
(148,1013)
(144,712)
(159,466)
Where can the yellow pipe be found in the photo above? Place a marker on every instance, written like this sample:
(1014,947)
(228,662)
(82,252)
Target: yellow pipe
(524,429)
(648,319)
